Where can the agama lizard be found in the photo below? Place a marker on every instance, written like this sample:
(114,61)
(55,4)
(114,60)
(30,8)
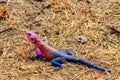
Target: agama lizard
(57,57)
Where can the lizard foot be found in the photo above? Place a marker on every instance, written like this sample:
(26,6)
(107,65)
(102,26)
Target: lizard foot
(57,69)
(33,58)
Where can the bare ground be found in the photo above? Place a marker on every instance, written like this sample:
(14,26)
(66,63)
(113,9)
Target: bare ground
(59,23)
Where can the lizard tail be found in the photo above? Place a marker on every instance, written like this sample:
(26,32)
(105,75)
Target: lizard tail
(79,60)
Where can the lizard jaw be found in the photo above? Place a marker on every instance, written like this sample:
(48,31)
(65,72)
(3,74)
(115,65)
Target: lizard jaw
(31,36)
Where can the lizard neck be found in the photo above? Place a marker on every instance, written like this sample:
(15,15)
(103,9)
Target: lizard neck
(44,45)
(45,49)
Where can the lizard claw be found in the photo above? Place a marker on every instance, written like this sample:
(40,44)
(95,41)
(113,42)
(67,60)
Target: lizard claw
(33,58)
(57,69)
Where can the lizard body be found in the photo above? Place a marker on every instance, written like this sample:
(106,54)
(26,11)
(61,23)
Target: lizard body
(57,56)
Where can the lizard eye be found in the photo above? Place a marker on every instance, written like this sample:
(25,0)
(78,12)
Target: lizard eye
(29,34)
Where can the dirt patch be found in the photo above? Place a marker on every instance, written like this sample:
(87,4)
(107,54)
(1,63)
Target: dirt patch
(59,23)
(2,12)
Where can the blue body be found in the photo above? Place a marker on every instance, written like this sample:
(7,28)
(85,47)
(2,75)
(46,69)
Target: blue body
(67,56)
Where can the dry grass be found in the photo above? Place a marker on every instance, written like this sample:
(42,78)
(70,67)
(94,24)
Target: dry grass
(59,25)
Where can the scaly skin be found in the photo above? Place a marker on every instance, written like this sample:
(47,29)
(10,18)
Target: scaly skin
(56,56)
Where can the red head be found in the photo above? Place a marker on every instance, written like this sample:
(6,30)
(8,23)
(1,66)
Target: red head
(32,37)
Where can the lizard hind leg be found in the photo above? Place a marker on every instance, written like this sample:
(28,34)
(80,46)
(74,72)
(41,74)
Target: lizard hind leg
(65,52)
(58,62)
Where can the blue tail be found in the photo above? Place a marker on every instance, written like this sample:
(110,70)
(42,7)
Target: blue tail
(79,60)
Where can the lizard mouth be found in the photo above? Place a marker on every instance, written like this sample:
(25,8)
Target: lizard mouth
(33,40)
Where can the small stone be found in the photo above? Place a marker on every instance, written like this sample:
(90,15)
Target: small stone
(82,39)
(1,51)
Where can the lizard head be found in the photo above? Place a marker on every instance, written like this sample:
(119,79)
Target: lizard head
(31,36)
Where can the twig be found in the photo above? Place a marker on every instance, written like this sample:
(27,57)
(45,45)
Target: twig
(114,28)
(2,2)
(33,3)
(45,7)
(36,6)
(8,29)
(40,0)
(89,1)
(77,75)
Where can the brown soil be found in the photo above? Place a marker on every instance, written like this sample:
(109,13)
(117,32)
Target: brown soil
(59,23)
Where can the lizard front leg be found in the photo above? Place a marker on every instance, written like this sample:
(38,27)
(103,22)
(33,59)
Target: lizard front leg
(38,54)
(35,57)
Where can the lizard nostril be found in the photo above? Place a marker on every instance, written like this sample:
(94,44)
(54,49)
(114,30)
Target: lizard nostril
(32,39)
